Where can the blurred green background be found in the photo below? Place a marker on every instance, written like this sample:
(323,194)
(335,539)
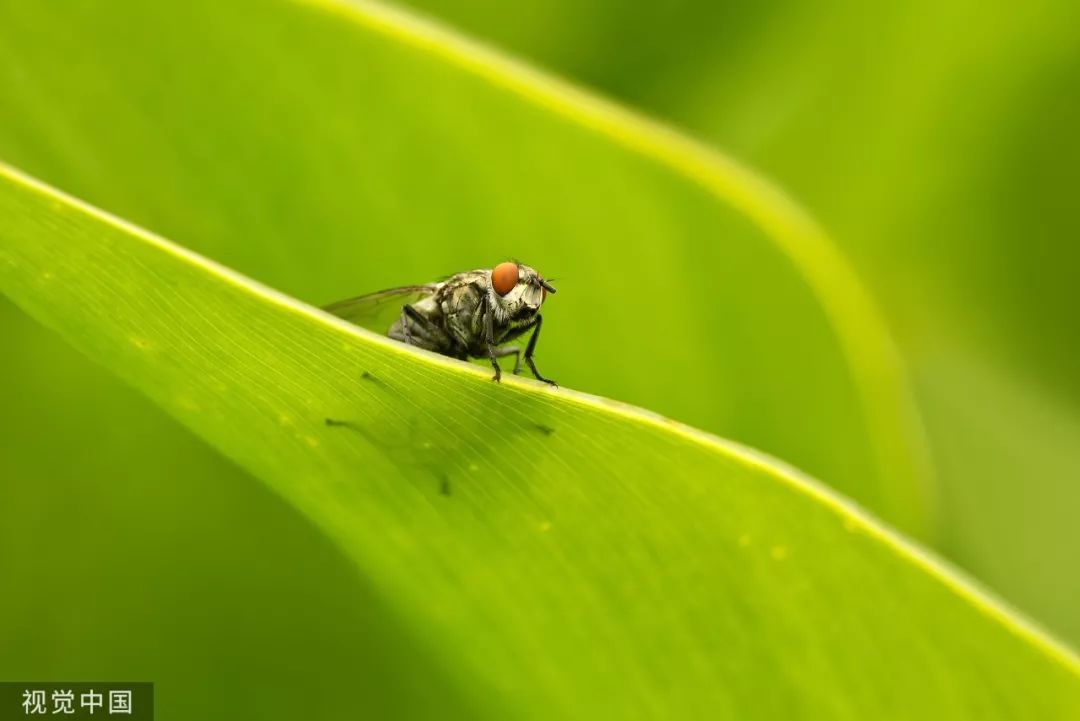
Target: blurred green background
(936,143)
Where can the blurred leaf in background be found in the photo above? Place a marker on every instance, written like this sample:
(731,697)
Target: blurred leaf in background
(937,143)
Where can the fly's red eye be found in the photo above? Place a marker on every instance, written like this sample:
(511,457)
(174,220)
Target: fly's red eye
(504,277)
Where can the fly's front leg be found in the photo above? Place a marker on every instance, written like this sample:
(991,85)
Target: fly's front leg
(494,364)
(529,352)
(489,340)
(514,351)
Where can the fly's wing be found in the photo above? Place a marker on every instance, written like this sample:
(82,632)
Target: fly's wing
(378,311)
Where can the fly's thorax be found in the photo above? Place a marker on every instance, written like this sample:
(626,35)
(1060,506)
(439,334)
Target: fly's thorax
(460,301)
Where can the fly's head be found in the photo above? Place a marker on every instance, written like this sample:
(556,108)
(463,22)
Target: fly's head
(516,292)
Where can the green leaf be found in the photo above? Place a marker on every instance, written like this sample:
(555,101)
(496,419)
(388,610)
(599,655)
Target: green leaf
(940,155)
(558,555)
(329,149)
(131,549)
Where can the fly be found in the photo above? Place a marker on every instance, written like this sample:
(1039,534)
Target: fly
(468,315)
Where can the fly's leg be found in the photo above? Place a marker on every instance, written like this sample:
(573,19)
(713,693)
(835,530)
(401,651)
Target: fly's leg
(489,340)
(419,331)
(419,322)
(514,351)
(494,364)
(405,324)
(529,352)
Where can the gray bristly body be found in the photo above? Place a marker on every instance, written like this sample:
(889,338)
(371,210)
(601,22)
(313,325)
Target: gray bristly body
(464,317)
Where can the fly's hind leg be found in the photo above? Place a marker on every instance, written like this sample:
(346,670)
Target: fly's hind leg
(405,333)
(532,347)
(417,330)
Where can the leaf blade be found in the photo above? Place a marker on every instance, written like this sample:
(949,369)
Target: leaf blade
(545,593)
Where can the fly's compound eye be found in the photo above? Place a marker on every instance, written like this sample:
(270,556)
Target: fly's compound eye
(504,277)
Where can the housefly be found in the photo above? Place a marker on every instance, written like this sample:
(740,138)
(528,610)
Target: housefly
(468,315)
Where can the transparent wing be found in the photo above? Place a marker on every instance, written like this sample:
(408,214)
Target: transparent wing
(378,311)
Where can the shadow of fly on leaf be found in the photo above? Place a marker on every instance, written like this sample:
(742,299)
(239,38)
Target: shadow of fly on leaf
(468,315)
